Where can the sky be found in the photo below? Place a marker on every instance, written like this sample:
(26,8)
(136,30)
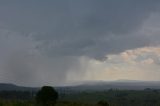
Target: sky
(60,42)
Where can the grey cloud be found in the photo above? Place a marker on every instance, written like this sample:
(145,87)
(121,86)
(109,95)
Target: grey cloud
(89,26)
(61,31)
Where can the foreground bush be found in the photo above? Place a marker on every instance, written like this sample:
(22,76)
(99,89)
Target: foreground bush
(47,96)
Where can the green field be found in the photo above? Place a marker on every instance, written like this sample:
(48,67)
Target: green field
(117,97)
(146,97)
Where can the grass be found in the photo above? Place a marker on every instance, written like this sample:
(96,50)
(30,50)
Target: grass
(113,97)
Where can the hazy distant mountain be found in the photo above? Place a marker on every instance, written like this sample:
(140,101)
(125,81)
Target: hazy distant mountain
(12,87)
(119,84)
(91,85)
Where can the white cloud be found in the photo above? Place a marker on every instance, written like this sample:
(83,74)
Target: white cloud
(136,64)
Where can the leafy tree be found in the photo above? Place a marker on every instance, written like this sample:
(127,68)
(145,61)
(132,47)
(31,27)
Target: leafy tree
(47,96)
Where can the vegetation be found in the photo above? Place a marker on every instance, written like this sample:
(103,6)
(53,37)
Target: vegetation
(147,97)
(103,103)
(47,96)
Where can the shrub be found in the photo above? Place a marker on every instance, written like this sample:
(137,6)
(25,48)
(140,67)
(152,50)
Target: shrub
(103,103)
(47,96)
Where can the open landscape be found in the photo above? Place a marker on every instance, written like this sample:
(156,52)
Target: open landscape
(115,93)
(79,52)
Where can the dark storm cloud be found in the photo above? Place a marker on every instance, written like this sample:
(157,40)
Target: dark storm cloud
(79,27)
(67,29)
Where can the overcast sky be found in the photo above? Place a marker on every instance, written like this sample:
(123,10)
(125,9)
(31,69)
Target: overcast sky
(57,42)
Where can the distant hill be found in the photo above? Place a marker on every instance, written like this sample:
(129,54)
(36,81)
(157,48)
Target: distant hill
(91,85)
(119,84)
(12,87)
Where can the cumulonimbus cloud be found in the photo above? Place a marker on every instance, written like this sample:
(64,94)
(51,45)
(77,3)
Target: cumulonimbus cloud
(56,35)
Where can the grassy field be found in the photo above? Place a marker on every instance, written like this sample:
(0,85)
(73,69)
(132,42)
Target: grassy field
(27,103)
(113,97)
(117,97)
